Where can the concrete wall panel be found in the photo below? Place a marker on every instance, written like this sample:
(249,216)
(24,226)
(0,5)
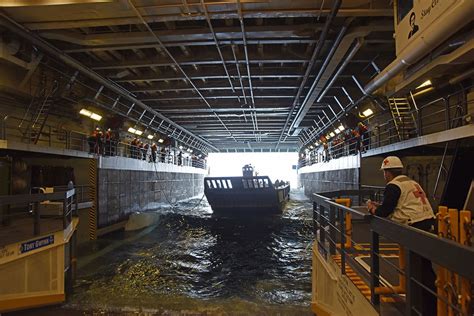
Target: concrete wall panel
(122,192)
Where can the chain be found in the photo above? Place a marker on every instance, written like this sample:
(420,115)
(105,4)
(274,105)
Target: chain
(440,233)
(449,234)
(468,230)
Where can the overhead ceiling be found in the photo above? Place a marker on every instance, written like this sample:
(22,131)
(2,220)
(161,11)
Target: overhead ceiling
(234,75)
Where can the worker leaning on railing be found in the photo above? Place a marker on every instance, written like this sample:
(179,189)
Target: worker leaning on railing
(405,202)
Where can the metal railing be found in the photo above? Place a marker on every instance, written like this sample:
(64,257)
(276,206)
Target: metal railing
(74,140)
(434,116)
(82,191)
(27,206)
(335,238)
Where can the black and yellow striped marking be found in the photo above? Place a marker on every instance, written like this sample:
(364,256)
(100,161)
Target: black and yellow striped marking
(93,199)
(359,283)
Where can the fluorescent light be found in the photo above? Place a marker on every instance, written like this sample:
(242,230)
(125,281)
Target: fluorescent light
(337,131)
(311,147)
(85,112)
(368,112)
(424,84)
(90,114)
(161,140)
(150,137)
(423,91)
(332,134)
(96,117)
(341,128)
(138,132)
(180,147)
(132,130)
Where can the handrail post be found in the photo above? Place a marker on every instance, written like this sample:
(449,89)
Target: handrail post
(65,212)
(447,114)
(343,241)
(375,268)
(322,229)
(315,219)
(36,227)
(332,230)
(413,290)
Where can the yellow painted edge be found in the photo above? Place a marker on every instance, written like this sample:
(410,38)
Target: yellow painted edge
(30,302)
(320,309)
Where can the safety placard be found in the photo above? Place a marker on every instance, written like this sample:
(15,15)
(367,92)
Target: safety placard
(37,243)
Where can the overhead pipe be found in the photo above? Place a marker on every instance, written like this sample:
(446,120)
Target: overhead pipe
(418,49)
(19,30)
(209,23)
(178,65)
(316,52)
(447,25)
(326,74)
(348,59)
(241,20)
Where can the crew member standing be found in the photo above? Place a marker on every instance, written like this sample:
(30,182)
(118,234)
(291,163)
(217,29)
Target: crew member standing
(406,203)
(154,148)
(108,137)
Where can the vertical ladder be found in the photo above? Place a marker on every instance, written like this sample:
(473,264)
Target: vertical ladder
(38,111)
(403,118)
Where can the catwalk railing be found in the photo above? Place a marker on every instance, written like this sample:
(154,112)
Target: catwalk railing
(435,116)
(335,235)
(74,140)
(32,210)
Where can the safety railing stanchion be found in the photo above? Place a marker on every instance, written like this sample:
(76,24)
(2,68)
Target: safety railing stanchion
(315,219)
(453,279)
(465,229)
(332,230)
(375,268)
(442,272)
(322,229)
(343,241)
(37,228)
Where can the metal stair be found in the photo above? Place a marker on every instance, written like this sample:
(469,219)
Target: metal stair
(37,114)
(403,118)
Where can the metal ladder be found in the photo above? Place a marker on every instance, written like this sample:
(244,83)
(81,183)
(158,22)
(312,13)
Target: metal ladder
(403,118)
(38,111)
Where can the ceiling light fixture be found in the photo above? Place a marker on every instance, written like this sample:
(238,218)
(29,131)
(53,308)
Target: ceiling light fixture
(135,131)
(92,115)
(427,83)
(367,112)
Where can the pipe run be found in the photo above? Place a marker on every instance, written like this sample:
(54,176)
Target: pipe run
(449,23)
(19,30)
(316,52)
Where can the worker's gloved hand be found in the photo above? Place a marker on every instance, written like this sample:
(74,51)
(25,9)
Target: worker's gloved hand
(372,206)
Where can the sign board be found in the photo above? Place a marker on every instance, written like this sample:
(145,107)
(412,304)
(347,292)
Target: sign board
(420,18)
(36,244)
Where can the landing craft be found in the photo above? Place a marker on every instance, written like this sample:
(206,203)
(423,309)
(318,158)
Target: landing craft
(249,194)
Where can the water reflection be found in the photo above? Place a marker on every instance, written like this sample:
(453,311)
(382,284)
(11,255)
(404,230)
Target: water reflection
(192,260)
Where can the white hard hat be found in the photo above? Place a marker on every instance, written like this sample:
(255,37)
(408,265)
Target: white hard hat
(391,162)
